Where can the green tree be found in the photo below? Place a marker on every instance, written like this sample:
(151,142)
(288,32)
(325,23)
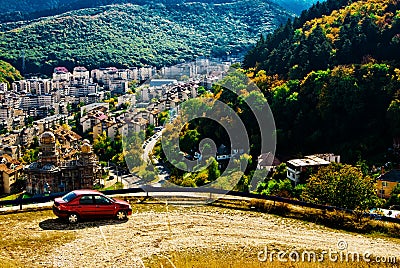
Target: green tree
(342,186)
(107,149)
(201,90)
(163,118)
(150,130)
(243,184)
(213,171)
(393,117)
(269,188)
(394,197)
(30,155)
(189,140)
(280,172)
(201,179)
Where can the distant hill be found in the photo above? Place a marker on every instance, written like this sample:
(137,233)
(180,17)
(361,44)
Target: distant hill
(21,9)
(32,9)
(297,6)
(126,35)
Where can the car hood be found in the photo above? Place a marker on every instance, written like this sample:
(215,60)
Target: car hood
(59,200)
(120,202)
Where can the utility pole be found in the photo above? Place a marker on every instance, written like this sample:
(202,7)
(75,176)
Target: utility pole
(116,167)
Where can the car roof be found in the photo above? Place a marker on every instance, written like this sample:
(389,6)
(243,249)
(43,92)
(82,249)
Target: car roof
(86,191)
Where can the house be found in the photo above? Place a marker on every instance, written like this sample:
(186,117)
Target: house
(66,137)
(267,161)
(3,87)
(80,75)
(49,122)
(26,136)
(296,167)
(95,106)
(129,99)
(103,126)
(161,82)
(134,126)
(118,86)
(387,182)
(115,129)
(92,118)
(61,74)
(10,170)
(145,73)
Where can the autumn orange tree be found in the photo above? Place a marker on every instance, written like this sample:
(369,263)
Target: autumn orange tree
(342,186)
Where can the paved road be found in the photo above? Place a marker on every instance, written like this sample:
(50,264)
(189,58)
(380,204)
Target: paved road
(162,169)
(109,182)
(150,143)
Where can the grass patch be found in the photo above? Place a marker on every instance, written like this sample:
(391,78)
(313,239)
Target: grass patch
(116,186)
(22,240)
(238,258)
(10,197)
(336,219)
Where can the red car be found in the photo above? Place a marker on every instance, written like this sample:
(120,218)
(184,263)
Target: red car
(85,204)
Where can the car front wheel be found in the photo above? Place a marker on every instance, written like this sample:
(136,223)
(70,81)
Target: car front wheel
(73,218)
(121,215)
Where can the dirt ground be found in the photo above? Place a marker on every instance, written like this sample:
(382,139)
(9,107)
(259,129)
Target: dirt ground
(157,231)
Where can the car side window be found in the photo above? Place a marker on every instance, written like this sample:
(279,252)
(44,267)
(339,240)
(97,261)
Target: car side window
(86,200)
(101,200)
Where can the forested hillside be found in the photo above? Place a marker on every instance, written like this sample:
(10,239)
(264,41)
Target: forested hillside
(348,35)
(8,73)
(33,9)
(296,6)
(333,81)
(126,35)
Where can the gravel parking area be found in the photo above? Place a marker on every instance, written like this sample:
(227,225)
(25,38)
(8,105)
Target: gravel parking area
(147,233)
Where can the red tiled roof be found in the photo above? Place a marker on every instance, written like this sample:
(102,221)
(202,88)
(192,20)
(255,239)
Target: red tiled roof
(4,168)
(102,117)
(60,69)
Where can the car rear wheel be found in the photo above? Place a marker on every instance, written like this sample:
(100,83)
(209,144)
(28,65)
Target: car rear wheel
(73,218)
(121,215)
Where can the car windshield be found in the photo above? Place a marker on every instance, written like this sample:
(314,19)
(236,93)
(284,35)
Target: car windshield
(68,197)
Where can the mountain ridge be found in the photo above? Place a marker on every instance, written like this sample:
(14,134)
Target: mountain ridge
(32,9)
(126,35)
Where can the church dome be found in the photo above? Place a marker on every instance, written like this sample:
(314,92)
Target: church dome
(47,138)
(86,148)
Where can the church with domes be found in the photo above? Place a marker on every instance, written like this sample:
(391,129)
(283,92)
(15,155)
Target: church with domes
(53,173)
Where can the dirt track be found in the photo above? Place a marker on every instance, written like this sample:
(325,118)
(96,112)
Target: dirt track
(113,244)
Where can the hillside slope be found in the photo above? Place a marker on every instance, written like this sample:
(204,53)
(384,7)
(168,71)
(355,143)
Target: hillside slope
(124,35)
(8,73)
(346,35)
(29,9)
(333,80)
(22,10)
(296,6)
